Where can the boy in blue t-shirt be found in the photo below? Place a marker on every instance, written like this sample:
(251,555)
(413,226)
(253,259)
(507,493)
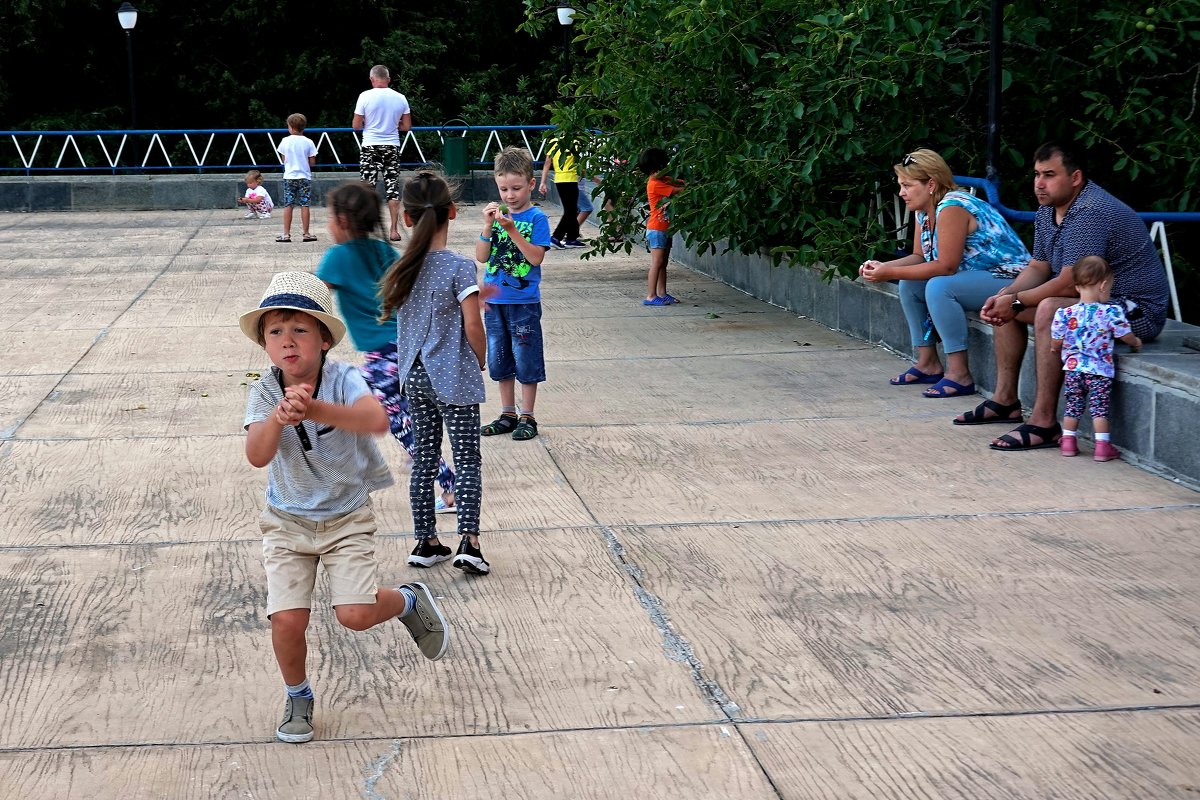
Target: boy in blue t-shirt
(514,240)
(312,422)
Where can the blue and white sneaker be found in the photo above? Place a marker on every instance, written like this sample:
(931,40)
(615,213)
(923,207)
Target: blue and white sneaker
(558,245)
(441,507)
(573,243)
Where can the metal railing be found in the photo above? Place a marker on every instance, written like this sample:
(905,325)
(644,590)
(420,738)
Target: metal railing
(233,149)
(1156,220)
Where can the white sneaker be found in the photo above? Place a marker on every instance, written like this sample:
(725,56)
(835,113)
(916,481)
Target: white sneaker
(440,506)
(265,215)
(249,215)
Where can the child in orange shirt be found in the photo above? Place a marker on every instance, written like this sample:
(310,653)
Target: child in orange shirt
(658,188)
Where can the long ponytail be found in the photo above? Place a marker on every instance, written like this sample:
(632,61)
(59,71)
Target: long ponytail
(427,199)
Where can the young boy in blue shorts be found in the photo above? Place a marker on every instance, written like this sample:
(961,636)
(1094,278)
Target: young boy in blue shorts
(514,240)
(313,422)
(299,154)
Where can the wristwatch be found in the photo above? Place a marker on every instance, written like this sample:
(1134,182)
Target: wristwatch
(1017,305)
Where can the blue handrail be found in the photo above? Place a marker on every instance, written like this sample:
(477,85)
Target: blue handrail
(992,190)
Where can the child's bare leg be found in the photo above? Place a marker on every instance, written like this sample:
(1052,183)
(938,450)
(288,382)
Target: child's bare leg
(291,648)
(1072,424)
(304,218)
(657,273)
(528,397)
(1099,424)
(508,393)
(389,603)
(287,222)
(661,288)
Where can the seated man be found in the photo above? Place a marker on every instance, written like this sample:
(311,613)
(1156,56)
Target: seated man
(1077,218)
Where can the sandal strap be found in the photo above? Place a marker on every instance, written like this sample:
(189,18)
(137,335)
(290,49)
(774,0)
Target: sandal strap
(505,423)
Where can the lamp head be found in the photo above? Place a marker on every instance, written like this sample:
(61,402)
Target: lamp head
(566,14)
(127,16)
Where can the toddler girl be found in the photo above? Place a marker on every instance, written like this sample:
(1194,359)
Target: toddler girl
(257,200)
(1084,333)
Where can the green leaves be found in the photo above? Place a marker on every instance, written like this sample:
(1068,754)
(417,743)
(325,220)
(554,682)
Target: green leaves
(783,115)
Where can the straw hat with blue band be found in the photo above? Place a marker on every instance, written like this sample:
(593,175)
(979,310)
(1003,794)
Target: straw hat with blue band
(296,291)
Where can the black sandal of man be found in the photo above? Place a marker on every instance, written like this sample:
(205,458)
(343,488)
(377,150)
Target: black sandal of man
(976,415)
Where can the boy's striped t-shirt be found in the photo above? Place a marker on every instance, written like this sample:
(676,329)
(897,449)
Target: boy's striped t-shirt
(338,471)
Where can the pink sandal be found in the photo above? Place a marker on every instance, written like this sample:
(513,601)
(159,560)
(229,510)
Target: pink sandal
(1069,446)
(1106,452)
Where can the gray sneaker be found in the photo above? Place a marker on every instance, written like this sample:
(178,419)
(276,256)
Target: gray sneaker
(296,727)
(426,624)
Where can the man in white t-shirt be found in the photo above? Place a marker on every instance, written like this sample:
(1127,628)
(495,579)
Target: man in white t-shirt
(382,114)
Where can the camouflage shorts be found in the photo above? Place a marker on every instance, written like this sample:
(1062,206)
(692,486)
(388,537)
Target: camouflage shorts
(376,159)
(297,191)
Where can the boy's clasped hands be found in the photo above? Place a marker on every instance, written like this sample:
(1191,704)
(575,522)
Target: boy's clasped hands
(498,213)
(294,405)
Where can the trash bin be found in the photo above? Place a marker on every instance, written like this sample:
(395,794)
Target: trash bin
(454,152)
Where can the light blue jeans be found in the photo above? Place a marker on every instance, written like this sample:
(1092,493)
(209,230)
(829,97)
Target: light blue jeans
(947,299)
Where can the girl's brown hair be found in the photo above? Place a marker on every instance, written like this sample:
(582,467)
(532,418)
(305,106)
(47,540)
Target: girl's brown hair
(357,208)
(427,199)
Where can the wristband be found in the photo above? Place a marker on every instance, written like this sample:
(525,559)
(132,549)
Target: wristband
(483,238)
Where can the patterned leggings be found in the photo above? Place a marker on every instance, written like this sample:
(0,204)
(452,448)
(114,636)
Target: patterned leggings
(1098,389)
(462,423)
(380,371)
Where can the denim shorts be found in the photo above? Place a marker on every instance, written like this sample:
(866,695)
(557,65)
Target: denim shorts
(514,342)
(658,240)
(297,191)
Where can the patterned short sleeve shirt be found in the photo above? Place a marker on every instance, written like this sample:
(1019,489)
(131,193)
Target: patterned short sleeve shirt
(429,325)
(1087,331)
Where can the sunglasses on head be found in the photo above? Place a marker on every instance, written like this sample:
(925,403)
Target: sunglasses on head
(908,160)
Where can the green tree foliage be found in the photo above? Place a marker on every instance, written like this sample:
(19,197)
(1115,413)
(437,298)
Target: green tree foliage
(251,63)
(783,115)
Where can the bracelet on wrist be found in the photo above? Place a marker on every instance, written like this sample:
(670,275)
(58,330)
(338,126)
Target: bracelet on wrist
(483,238)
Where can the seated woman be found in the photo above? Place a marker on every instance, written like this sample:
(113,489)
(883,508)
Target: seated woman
(963,252)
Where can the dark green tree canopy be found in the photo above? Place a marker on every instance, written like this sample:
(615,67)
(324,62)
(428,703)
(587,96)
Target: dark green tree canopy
(784,114)
(251,63)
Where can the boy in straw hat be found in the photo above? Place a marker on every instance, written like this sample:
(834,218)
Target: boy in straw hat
(313,422)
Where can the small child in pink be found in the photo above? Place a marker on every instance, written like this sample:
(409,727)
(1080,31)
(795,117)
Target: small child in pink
(1084,333)
(258,200)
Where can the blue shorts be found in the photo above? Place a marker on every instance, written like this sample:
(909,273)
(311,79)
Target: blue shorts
(658,240)
(585,195)
(514,342)
(297,191)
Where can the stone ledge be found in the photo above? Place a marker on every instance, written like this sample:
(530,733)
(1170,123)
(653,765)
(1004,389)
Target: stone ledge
(1155,404)
(174,192)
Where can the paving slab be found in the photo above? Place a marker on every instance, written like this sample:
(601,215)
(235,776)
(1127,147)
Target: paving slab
(735,563)
(92,631)
(1009,613)
(702,763)
(1071,756)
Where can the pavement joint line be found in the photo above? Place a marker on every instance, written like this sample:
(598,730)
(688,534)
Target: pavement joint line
(558,426)
(101,333)
(646,726)
(601,526)
(675,645)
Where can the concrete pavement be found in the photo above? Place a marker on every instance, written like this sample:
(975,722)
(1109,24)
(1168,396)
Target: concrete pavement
(736,563)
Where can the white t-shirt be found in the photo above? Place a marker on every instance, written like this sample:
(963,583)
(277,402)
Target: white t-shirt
(381,110)
(296,150)
(259,194)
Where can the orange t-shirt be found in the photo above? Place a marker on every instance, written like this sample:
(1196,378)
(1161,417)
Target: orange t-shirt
(659,189)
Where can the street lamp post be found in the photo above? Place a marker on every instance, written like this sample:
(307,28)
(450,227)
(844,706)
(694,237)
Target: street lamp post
(127,16)
(566,18)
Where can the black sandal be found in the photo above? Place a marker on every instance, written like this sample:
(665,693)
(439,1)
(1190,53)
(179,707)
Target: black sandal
(505,423)
(1021,438)
(1003,414)
(526,429)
